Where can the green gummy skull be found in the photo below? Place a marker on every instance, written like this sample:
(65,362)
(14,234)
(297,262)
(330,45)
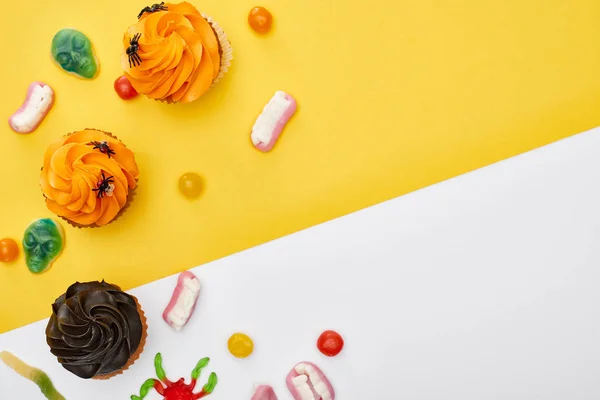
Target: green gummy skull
(42,244)
(73,51)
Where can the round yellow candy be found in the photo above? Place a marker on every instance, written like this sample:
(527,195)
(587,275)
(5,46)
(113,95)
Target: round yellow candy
(240,345)
(191,185)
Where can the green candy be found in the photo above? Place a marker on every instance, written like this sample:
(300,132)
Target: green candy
(33,374)
(212,383)
(43,242)
(74,53)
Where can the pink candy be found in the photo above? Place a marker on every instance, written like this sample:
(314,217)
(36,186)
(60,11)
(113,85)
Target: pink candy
(183,301)
(306,380)
(272,120)
(264,392)
(38,102)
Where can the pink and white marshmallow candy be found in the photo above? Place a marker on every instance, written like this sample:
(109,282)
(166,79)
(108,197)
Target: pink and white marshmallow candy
(272,120)
(38,102)
(307,382)
(264,392)
(183,301)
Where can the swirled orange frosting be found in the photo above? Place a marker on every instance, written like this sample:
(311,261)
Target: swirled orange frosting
(72,174)
(179,52)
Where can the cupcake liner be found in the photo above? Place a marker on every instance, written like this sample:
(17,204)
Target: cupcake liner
(137,353)
(130,195)
(224,47)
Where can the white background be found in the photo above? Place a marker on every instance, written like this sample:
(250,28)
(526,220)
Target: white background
(483,287)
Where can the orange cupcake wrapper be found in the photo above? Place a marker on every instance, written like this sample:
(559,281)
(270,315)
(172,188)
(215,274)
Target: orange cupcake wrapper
(134,357)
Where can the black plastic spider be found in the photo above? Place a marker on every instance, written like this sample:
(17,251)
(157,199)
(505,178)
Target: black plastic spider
(152,9)
(103,147)
(105,186)
(132,51)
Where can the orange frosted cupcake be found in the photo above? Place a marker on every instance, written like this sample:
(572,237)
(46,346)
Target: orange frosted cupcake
(88,177)
(174,53)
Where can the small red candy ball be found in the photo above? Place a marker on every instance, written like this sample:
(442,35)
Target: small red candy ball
(330,343)
(124,89)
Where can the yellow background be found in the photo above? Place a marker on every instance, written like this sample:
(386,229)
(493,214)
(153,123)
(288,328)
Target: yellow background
(393,95)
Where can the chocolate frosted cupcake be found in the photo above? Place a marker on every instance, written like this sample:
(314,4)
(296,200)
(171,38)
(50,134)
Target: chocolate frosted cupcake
(96,330)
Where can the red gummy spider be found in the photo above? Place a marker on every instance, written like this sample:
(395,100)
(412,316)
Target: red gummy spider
(177,390)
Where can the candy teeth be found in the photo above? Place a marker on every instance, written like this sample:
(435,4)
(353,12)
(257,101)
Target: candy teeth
(307,382)
(264,392)
(183,301)
(272,120)
(38,102)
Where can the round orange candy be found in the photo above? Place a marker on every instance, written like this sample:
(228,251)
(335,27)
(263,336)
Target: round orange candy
(260,19)
(9,250)
(240,345)
(191,185)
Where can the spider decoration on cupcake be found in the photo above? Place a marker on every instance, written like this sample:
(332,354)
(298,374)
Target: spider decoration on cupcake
(132,51)
(153,8)
(103,146)
(106,186)
(177,390)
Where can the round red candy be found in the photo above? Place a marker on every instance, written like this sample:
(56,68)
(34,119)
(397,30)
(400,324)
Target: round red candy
(330,343)
(124,89)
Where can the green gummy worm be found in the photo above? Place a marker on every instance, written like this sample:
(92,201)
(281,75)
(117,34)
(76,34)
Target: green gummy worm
(35,375)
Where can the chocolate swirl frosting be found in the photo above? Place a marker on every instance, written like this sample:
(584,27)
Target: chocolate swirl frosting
(94,329)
